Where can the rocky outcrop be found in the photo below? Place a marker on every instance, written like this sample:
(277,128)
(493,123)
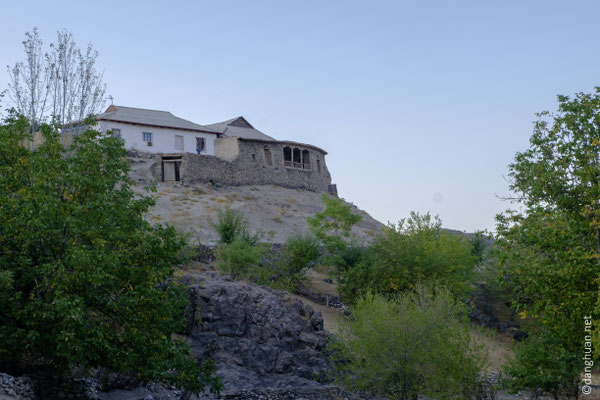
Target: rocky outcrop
(264,343)
(483,310)
(16,388)
(259,338)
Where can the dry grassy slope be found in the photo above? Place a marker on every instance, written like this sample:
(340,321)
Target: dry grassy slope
(277,211)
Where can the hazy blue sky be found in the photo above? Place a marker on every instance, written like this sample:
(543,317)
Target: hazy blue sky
(421,105)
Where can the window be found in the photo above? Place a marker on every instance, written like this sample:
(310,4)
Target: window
(200,144)
(148,138)
(297,158)
(319,165)
(268,156)
(305,159)
(287,156)
(178,142)
(116,133)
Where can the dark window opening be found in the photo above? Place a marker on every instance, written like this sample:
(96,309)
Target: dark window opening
(200,144)
(318,165)
(305,159)
(287,156)
(297,158)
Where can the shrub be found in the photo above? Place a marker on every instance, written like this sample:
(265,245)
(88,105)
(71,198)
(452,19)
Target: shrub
(239,258)
(543,365)
(414,250)
(418,342)
(298,253)
(230,225)
(332,227)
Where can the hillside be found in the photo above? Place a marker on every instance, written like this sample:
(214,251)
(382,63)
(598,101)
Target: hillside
(276,211)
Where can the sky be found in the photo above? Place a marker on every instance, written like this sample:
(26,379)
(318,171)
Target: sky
(421,105)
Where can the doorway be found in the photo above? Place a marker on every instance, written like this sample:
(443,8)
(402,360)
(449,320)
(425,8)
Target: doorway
(171,169)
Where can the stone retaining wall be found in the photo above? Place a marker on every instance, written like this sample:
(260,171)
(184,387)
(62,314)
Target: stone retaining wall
(259,163)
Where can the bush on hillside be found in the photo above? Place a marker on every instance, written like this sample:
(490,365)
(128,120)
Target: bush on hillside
(332,227)
(299,252)
(231,225)
(239,258)
(415,250)
(417,343)
(543,365)
(243,259)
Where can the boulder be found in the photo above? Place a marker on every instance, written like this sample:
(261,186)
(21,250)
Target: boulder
(257,337)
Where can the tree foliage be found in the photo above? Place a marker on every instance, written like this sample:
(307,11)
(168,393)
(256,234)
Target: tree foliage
(543,365)
(550,251)
(416,343)
(412,251)
(85,279)
(243,256)
(298,253)
(332,228)
(334,224)
(61,83)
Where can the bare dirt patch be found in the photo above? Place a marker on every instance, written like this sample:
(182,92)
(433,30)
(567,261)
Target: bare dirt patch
(278,212)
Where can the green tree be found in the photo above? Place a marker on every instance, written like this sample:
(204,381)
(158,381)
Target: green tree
(415,250)
(550,251)
(298,253)
(85,280)
(416,343)
(543,365)
(332,228)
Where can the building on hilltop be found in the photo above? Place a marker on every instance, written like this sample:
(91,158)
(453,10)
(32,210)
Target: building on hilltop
(152,131)
(231,152)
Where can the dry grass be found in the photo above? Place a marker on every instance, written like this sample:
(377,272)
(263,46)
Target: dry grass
(316,283)
(196,191)
(500,347)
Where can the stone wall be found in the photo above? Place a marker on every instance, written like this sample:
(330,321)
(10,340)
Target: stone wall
(259,163)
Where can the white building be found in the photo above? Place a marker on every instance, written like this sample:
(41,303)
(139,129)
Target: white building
(153,131)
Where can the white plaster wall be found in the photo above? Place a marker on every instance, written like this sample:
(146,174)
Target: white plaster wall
(163,139)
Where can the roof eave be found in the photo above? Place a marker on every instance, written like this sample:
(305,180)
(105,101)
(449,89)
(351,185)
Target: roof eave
(161,126)
(282,142)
